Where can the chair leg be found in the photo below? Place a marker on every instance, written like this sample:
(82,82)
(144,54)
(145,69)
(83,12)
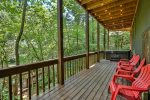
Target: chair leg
(108,90)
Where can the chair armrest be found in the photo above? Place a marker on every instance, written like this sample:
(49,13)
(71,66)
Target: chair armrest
(132,88)
(130,78)
(114,95)
(128,69)
(124,71)
(127,65)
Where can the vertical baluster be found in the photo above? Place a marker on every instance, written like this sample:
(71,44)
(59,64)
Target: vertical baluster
(80,63)
(20,81)
(10,87)
(75,66)
(37,83)
(29,85)
(53,76)
(49,78)
(70,67)
(57,74)
(95,58)
(43,78)
(83,63)
(67,69)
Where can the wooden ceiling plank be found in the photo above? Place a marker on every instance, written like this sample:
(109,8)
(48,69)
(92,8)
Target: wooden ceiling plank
(115,11)
(117,17)
(99,3)
(116,8)
(116,14)
(120,19)
(115,4)
(116,25)
(128,20)
(119,27)
(120,23)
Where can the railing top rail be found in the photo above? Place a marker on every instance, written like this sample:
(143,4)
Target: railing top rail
(115,51)
(24,68)
(68,58)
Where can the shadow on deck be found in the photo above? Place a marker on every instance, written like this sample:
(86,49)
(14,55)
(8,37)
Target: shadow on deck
(89,84)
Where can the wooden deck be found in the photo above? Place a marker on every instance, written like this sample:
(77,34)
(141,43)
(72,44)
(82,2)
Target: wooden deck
(89,84)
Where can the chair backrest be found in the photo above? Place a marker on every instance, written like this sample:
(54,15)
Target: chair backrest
(136,60)
(143,80)
(132,59)
(140,66)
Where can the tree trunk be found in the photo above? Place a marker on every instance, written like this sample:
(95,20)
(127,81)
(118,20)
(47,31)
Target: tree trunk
(15,86)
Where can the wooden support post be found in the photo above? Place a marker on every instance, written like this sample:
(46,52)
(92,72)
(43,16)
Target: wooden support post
(87,39)
(104,43)
(98,42)
(60,42)
(108,40)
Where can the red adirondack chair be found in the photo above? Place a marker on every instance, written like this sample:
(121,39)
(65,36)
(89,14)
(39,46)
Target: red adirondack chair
(126,61)
(132,73)
(129,67)
(133,92)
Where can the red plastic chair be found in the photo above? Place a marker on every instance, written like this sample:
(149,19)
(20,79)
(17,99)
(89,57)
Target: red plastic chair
(126,61)
(129,67)
(133,92)
(132,73)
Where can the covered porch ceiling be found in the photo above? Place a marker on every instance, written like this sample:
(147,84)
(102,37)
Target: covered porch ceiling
(112,14)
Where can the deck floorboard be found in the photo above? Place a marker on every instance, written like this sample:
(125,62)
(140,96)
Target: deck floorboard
(91,84)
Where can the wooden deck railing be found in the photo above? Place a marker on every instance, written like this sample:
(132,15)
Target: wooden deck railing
(74,64)
(30,79)
(36,78)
